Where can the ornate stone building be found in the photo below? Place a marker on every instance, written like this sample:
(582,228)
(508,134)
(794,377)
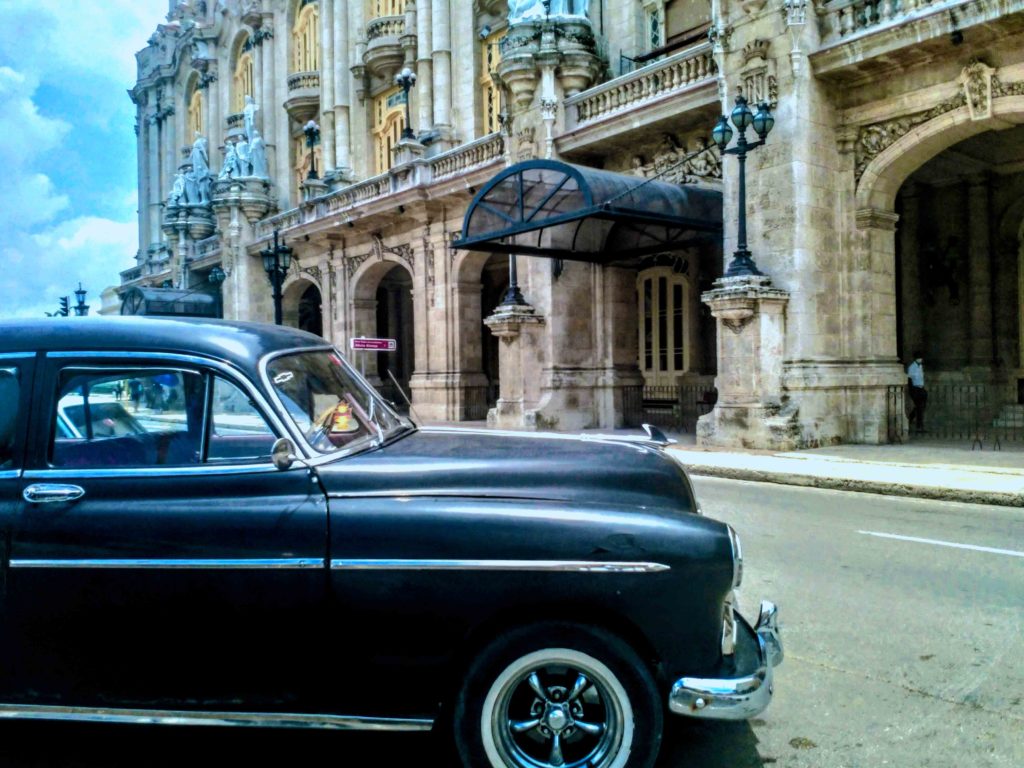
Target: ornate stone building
(885,210)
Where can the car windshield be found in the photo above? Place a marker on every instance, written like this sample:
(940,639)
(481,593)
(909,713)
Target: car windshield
(335,409)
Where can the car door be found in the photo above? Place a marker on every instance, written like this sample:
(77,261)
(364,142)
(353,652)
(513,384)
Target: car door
(158,557)
(15,401)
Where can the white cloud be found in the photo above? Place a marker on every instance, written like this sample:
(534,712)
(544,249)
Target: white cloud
(51,263)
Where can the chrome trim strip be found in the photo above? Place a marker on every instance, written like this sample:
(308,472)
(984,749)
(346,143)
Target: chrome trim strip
(16,355)
(187,717)
(571,566)
(287,563)
(158,471)
(10,474)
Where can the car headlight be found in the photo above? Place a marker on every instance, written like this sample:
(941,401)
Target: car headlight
(737,558)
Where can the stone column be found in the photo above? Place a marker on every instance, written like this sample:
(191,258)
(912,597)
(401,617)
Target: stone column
(424,66)
(910,270)
(515,326)
(442,56)
(155,182)
(327,85)
(980,254)
(342,90)
(269,104)
(751,343)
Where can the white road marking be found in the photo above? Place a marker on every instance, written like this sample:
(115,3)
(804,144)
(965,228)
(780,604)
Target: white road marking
(973,547)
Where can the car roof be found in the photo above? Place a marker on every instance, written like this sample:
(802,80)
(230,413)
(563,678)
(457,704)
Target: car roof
(241,344)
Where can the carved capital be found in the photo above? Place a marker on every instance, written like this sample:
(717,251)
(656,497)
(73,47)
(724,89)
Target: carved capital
(875,218)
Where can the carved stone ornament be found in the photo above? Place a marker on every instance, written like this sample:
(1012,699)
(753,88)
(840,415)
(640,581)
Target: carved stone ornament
(978,86)
(428,262)
(353,263)
(759,83)
(720,36)
(526,148)
(795,12)
(976,80)
(403,252)
(677,165)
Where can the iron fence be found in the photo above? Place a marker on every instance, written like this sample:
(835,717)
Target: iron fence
(667,407)
(983,414)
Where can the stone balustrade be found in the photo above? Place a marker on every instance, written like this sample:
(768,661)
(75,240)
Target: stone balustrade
(843,19)
(461,159)
(129,275)
(676,73)
(385,26)
(300,81)
(208,247)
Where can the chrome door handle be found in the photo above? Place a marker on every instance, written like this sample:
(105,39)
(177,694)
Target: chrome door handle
(50,493)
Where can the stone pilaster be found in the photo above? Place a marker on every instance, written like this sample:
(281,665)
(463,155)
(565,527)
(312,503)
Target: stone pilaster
(751,409)
(980,255)
(516,325)
(441,53)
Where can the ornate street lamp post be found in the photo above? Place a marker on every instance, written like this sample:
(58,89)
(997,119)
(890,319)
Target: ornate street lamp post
(276,262)
(312,131)
(742,263)
(405,80)
(216,279)
(82,309)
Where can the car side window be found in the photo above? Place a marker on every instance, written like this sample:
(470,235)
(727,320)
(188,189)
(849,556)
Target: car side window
(238,431)
(10,395)
(127,418)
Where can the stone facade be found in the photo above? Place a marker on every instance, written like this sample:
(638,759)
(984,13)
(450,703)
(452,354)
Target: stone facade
(886,209)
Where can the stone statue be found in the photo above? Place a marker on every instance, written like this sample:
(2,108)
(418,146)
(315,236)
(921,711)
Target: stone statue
(200,158)
(191,189)
(570,8)
(178,190)
(525,10)
(204,189)
(249,116)
(244,160)
(230,167)
(258,156)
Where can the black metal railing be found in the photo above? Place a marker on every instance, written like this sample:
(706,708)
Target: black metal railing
(667,407)
(983,414)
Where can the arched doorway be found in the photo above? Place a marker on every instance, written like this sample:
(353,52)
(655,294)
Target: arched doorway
(302,307)
(937,225)
(493,286)
(394,320)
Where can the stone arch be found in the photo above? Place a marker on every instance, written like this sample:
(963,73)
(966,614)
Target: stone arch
(885,174)
(368,315)
(302,305)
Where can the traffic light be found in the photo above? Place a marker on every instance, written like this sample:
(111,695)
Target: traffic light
(64,310)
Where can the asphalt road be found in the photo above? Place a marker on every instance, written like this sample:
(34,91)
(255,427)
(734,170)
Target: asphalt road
(899,652)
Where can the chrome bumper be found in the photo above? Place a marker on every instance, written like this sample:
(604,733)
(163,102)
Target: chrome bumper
(736,698)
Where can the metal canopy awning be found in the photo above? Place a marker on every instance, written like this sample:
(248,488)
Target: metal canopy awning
(168,302)
(562,211)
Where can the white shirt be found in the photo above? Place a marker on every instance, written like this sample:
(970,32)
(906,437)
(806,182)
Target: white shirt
(915,371)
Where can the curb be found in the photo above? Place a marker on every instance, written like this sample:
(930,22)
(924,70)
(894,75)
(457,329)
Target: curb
(909,490)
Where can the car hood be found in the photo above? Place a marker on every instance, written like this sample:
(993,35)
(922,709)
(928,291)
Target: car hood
(480,463)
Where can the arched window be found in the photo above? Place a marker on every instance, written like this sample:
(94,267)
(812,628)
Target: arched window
(245,81)
(196,124)
(388,122)
(381,8)
(306,38)
(490,103)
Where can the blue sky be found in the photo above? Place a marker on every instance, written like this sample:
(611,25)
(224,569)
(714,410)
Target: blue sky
(67,147)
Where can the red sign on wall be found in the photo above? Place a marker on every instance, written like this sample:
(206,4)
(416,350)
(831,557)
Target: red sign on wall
(376,345)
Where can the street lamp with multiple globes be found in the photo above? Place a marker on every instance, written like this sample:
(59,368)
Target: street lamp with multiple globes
(82,309)
(742,263)
(312,131)
(405,80)
(276,262)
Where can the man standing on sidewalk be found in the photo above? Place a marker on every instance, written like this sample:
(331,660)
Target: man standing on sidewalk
(918,394)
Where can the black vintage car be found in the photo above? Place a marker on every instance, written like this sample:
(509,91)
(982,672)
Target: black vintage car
(206,522)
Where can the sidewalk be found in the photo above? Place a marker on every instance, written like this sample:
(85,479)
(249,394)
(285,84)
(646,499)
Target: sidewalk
(943,471)
(947,471)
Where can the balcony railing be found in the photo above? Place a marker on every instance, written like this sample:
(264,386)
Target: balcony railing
(298,81)
(131,274)
(464,159)
(236,120)
(683,70)
(461,159)
(386,26)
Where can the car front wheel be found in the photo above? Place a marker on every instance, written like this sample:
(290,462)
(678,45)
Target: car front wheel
(559,696)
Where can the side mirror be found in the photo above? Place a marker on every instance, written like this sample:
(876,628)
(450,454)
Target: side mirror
(283,453)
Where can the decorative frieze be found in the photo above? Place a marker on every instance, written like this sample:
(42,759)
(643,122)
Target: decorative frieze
(677,165)
(403,252)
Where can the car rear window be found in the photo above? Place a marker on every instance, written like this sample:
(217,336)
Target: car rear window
(10,395)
